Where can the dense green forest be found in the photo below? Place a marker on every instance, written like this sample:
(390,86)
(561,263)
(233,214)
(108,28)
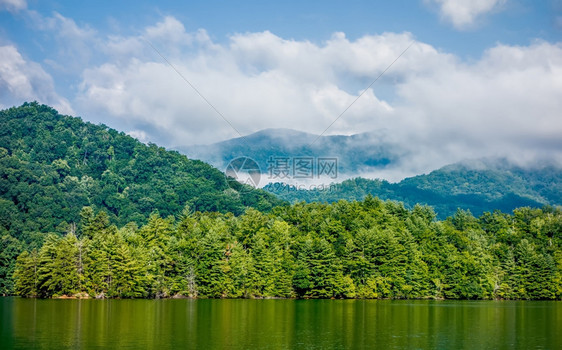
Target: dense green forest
(89,211)
(51,166)
(368,249)
(480,186)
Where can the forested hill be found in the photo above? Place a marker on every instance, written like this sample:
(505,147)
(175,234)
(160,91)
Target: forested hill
(479,186)
(130,220)
(51,166)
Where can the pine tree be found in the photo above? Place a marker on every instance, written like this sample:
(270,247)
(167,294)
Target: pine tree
(26,274)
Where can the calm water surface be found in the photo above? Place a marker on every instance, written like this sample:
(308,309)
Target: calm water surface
(279,324)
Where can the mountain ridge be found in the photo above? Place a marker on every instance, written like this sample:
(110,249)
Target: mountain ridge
(465,185)
(51,166)
(355,153)
(480,185)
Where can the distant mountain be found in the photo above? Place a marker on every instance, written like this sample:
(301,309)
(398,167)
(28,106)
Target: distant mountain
(51,166)
(479,186)
(354,154)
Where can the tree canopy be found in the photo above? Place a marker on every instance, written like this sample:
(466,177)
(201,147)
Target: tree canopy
(89,211)
(368,249)
(53,165)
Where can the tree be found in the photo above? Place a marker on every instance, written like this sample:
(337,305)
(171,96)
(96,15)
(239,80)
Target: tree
(10,248)
(58,266)
(26,274)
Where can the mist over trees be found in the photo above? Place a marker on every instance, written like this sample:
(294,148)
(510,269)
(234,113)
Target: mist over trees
(491,185)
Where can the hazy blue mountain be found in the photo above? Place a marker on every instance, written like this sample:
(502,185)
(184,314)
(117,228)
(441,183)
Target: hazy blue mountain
(477,185)
(355,153)
(480,186)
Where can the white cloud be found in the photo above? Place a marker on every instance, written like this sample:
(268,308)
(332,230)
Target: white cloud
(438,109)
(257,80)
(507,104)
(22,80)
(74,45)
(139,135)
(464,13)
(169,31)
(13,5)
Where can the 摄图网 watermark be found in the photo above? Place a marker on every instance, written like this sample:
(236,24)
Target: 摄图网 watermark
(281,169)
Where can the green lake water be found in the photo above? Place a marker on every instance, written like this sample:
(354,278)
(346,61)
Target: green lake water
(279,324)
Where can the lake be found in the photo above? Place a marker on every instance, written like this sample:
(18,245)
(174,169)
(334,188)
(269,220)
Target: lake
(279,324)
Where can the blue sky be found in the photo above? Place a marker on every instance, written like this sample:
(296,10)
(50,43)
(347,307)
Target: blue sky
(514,22)
(482,78)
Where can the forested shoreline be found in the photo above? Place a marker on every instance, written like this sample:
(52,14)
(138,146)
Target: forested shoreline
(87,211)
(367,249)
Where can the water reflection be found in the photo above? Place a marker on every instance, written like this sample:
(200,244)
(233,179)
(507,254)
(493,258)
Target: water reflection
(278,324)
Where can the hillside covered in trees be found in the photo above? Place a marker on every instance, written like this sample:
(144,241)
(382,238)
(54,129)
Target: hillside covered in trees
(368,249)
(478,186)
(53,165)
(89,211)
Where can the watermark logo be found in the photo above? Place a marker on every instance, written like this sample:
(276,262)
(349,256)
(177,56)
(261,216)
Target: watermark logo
(280,187)
(244,170)
(280,168)
(294,170)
